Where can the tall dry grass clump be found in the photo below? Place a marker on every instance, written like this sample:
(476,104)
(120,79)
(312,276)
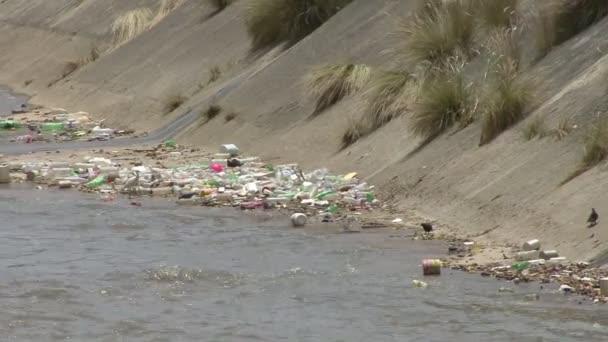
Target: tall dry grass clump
(565,126)
(596,144)
(507,102)
(560,20)
(438,31)
(508,97)
(328,84)
(388,96)
(595,149)
(444,99)
(497,13)
(355,131)
(536,127)
(271,22)
(166,7)
(173,102)
(504,52)
(130,24)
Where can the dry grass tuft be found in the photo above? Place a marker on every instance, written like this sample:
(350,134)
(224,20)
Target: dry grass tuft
(229,117)
(497,13)
(272,22)
(165,8)
(388,96)
(173,102)
(565,126)
(130,24)
(560,20)
(444,99)
(353,133)
(70,67)
(214,74)
(328,84)
(596,144)
(507,103)
(505,53)
(536,127)
(438,31)
(508,99)
(595,151)
(211,112)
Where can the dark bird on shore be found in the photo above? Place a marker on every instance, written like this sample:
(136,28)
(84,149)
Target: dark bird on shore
(234,162)
(592,220)
(427,227)
(187,196)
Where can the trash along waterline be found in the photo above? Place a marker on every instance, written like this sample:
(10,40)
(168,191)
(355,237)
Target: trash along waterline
(228,179)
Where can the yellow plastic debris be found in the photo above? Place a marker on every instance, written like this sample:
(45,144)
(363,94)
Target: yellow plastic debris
(350,175)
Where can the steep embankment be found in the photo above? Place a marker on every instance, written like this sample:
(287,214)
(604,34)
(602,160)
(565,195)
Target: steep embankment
(509,189)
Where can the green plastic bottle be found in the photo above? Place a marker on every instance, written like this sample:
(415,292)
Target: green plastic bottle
(332,209)
(53,126)
(520,266)
(370,197)
(323,194)
(214,183)
(10,124)
(97,182)
(170,143)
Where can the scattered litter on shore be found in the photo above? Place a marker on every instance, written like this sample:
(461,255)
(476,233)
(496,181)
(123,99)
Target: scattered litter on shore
(544,266)
(213,179)
(56,125)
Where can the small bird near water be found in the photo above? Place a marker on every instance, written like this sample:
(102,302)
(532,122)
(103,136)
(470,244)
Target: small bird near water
(427,227)
(592,220)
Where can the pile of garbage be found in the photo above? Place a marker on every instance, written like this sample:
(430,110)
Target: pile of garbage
(546,266)
(222,179)
(57,125)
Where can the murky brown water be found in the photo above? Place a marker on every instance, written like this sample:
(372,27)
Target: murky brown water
(75,268)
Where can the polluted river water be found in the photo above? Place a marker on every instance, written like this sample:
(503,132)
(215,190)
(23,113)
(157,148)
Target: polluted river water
(80,269)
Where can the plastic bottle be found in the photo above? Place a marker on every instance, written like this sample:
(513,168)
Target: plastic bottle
(97,182)
(53,126)
(520,266)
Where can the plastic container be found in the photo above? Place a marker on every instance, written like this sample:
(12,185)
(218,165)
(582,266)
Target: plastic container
(99,132)
(431,267)
(217,167)
(5,176)
(548,254)
(10,124)
(557,261)
(61,172)
(52,126)
(298,220)
(65,184)
(520,266)
(527,255)
(230,149)
(532,245)
(97,182)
